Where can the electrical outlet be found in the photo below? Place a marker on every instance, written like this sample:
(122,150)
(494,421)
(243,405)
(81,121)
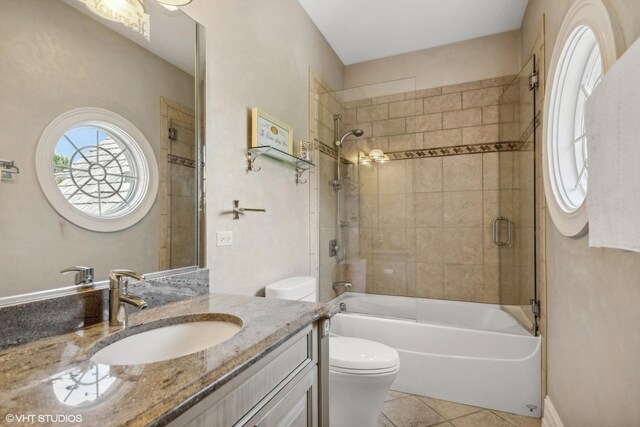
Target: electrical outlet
(224,238)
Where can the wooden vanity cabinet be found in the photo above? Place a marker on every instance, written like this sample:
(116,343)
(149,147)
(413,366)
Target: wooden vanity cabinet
(283,389)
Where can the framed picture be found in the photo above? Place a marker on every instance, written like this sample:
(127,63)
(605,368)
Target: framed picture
(269,131)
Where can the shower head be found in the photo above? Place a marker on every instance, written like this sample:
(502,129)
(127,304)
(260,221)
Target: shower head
(356,132)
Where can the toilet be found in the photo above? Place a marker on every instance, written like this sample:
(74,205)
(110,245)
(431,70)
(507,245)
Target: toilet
(360,371)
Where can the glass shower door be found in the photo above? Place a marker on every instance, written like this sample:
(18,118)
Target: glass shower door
(514,229)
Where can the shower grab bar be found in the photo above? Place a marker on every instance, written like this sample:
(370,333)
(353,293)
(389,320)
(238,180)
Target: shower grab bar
(496,231)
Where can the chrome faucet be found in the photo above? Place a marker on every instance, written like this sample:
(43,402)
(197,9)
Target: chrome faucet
(341,285)
(118,294)
(84,275)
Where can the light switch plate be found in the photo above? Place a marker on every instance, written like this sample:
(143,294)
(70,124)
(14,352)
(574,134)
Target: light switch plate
(224,238)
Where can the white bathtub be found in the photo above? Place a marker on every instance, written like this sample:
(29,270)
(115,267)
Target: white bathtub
(463,352)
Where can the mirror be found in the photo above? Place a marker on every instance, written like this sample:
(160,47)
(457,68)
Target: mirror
(103,124)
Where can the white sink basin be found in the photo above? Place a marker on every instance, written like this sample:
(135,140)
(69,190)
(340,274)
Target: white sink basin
(168,342)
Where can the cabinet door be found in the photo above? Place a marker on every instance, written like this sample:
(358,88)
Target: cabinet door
(257,387)
(292,407)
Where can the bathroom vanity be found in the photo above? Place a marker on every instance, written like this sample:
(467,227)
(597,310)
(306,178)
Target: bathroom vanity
(281,389)
(269,373)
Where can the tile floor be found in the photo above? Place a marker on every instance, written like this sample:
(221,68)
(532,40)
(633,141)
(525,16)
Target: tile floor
(408,410)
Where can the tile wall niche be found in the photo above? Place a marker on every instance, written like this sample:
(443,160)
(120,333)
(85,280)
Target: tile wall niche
(425,217)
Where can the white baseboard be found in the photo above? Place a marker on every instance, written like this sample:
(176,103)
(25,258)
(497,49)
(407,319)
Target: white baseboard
(551,417)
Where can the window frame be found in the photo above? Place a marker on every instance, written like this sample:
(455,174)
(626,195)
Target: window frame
(126,133)
(567,136)
(572,220)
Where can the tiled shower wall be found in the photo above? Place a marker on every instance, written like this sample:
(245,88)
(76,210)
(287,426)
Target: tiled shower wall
(425,223)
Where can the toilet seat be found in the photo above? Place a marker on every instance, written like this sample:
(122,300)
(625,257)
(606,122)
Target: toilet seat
(361,357)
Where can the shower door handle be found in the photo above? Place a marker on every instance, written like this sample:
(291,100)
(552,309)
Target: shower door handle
(509,232)
(496,231)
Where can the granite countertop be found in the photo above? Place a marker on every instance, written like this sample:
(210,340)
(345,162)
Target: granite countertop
(54,377)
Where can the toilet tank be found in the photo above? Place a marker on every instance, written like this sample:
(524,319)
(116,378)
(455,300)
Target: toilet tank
(302,288)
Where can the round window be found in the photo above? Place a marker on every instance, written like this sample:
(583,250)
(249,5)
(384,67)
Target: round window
(579,71)
(97,169)
(585,48)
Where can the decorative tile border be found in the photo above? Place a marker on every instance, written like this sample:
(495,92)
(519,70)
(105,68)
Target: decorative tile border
(495,147)
(329,151)
(458,150)
(332,152)
(177,160)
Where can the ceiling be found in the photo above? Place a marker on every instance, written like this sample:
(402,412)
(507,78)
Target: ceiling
(361,30)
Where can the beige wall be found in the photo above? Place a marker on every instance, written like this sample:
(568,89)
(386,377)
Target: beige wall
(258,55)
(492,56)
(593,294)
(55,58)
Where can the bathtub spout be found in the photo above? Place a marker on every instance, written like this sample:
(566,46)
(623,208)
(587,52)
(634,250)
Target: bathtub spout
(341,285)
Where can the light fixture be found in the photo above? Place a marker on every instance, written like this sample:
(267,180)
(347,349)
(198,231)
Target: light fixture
(130,13)
(364,159)
(174,2)
(376,155)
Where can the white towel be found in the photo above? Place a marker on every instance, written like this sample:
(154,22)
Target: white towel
(613,134)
